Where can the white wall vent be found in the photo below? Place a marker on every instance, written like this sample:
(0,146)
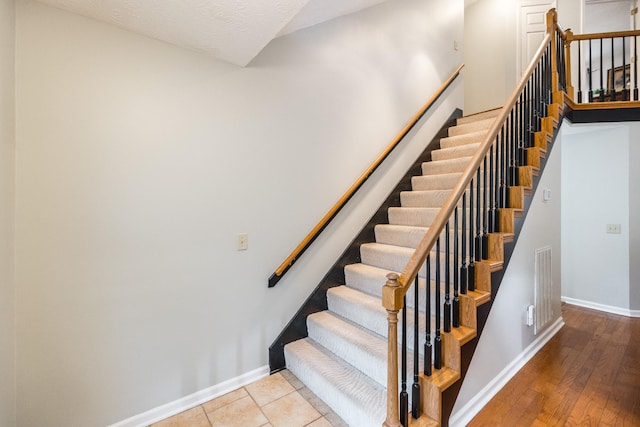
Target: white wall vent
(543,288)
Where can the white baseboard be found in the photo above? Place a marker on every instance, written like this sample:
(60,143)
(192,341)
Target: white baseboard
(601,307)
(187,402)
(465,414)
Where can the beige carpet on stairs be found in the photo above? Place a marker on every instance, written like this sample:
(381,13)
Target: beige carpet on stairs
(344,358)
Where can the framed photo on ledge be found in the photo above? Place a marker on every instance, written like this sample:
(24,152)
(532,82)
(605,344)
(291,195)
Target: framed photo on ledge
(615,78)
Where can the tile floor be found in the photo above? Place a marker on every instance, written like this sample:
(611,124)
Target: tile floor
(279,400)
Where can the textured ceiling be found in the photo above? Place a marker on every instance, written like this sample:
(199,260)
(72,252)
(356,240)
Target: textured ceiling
(231,30)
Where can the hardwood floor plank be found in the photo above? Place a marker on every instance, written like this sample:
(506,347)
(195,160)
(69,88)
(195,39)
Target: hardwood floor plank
(587,375)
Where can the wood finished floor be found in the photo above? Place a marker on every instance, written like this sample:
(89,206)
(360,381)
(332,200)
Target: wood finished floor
(587,375)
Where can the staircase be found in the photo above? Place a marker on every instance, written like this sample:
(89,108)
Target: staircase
(344,358)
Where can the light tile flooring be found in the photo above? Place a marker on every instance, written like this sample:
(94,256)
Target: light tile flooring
(279,400)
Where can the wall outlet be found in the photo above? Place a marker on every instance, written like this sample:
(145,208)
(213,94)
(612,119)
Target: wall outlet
(243,242)
(530,315)
(613,228)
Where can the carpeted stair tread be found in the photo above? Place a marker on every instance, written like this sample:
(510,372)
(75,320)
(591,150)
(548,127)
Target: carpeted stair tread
(407,236)
(478,125)
(388,257)
(455,152)
(479,116)
(424,198)
(464,139)
(394,258)
(445,166)
(348,303)
(354,397)
(419,217)
(356,345)
(366,282)
(445,181)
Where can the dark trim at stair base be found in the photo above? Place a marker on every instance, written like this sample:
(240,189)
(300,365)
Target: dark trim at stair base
(450,395)
(604,115)
(297,328)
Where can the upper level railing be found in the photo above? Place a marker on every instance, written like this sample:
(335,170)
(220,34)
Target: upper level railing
(607,70)
(328,217)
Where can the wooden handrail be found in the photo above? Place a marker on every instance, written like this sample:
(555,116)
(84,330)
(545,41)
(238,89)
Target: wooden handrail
(609,35)
(395,289)
(392,296)
(315,232)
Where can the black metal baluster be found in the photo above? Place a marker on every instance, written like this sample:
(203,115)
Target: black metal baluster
(635,68)
(428,347)
(602,86)
(613,78)
(464,272)
(404,396)
(447,281)
(579,71)
(624,72)
(493,184)
(591,73)
(437,346)
(471,266)
(485,211)
(456,274)
(415,389)
(478,241)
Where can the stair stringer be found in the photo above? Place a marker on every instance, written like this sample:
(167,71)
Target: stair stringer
(495,275)
(297,328)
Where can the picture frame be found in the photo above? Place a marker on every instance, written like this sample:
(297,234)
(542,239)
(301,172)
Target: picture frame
(615,76)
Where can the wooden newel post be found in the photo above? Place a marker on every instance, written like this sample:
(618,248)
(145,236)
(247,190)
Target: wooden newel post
(552,20)
(567,49)
(389,301)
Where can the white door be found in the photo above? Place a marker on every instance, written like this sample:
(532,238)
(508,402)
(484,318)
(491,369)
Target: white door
(532,29)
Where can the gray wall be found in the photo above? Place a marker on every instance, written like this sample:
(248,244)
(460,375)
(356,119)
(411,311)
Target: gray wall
(140,162)
(489,54)
(7,160)
(598,190)
(507,318)
(634,218)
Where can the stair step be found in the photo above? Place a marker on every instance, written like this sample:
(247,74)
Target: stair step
(358,346)
(418,217)
(465,139)
(367,311)
(354,397)
(424,198)
(445,181)
(408,236)
(395,258)
(387,257)
(479,116)
(477,125)
(399,235)
(370,280)
(455,152)
(435,167)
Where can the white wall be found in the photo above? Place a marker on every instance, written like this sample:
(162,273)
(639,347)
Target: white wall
(570,16)
(139,162)
(7,162)
(489,53)
(506,336)
(596,189)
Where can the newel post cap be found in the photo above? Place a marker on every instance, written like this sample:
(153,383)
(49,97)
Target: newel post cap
(392,293)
